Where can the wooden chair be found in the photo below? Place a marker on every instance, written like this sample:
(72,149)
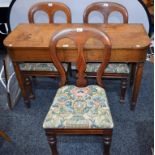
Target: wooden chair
(113,70)
(80,109)
(42,69)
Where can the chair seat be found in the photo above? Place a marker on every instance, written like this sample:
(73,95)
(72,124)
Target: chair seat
(75,107)
(111,68)
(40,67)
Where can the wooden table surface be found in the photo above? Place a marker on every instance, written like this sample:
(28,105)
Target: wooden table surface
(30,42)
(122,35)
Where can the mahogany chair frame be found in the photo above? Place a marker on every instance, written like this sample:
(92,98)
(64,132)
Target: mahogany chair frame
(50,8)
(79,36)
(106,8)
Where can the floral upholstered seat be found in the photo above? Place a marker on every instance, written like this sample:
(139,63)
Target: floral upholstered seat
(40,67)
(111,68)
(74,107)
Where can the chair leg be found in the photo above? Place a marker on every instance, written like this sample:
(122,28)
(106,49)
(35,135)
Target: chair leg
(53,144)
(123,90)
(5,136)
(107,144)
(29,88)
(70,69)
(27,103)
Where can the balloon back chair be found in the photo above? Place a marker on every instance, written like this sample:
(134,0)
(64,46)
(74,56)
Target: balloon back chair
(79,109)
(113,70)
(42,69)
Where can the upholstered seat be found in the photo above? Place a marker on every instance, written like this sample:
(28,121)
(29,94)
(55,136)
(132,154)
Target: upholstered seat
(111,68)
(40,67)
(75,107)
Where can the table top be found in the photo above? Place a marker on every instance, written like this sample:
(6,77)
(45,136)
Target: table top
(123,36)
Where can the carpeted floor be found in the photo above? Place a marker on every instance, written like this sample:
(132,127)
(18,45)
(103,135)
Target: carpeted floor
(133,131)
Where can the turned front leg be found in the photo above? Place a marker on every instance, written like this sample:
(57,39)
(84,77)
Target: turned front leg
(107,144)
(53,144)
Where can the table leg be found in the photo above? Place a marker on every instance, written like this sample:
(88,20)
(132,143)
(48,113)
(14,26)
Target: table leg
(21,82)
(136,86)
(132,73)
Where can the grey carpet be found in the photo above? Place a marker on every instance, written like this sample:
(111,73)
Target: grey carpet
(133,131)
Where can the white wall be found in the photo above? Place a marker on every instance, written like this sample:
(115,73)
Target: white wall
(136,12)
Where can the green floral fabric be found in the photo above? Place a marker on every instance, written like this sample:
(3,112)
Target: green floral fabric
(75,107)
(40,67)
(111,68)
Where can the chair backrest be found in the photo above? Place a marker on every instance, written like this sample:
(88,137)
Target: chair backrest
(105,8)
(50,8)
(80,37)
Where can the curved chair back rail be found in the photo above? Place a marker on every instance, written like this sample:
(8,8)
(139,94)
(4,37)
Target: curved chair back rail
(80,37)
(105,8)
(50,8)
